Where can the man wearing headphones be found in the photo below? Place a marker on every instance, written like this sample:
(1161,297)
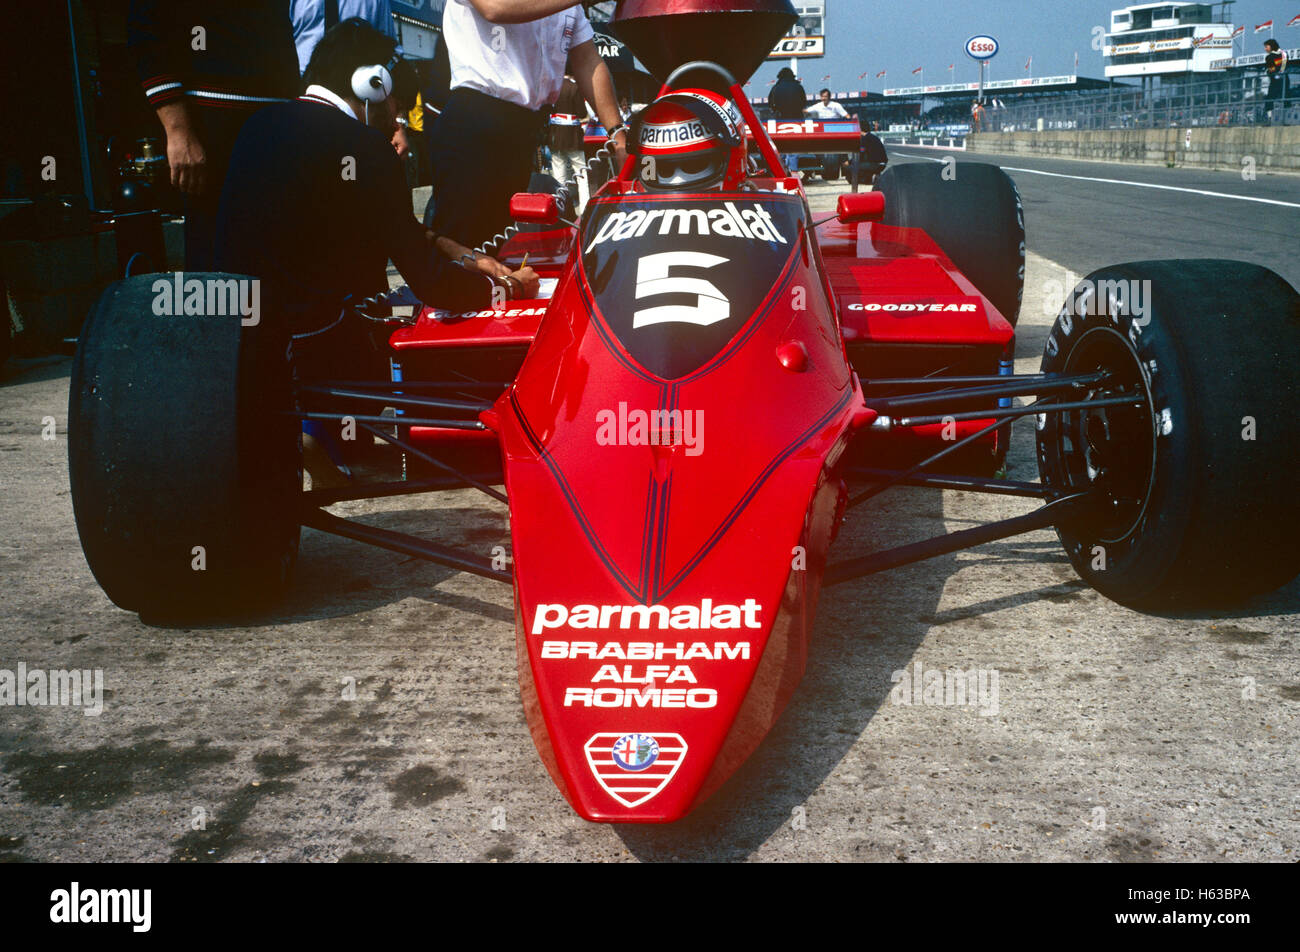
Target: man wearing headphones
(507,65)
(316,203)
(313,18)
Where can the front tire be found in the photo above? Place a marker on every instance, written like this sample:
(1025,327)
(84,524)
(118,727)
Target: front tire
(1199,497)
(185,469)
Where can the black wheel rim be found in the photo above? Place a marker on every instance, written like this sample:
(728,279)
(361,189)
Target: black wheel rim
(1109,452)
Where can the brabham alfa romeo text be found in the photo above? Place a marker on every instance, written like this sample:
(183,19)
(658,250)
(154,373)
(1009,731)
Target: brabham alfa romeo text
(649,676)
(754,223)
(645,651)
(701,616)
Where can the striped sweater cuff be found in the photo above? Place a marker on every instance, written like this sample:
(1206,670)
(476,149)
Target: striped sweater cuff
(160,90)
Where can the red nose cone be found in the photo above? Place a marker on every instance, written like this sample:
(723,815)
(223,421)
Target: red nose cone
(735,34)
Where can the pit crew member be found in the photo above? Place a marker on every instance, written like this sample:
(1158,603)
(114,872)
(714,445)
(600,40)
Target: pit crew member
(316,201)
(507,64)
(205,67)
(826,108)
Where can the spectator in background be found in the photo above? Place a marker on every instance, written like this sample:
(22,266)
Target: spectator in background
(826,108)
(788,97)
(568,157)
(205,68)
(312,18)
(1275,66)
(507,65)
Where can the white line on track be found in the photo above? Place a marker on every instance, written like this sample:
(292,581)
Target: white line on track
(1106,181)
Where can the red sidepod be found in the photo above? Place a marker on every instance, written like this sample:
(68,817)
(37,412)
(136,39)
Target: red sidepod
(673,490)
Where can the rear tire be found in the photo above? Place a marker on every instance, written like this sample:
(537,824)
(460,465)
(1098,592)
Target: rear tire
(872,160)
(1202,496)
(185,472)
(975,215)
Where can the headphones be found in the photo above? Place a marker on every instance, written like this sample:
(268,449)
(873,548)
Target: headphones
(374,83)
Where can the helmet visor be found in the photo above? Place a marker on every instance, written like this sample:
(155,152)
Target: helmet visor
(687,170)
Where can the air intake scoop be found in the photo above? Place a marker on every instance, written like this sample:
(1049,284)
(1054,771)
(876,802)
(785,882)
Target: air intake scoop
(735,34)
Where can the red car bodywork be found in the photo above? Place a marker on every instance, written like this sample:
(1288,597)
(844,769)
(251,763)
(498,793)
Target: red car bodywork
(667,565)
(669,594)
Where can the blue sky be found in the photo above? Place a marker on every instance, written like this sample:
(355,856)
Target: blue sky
(871,35)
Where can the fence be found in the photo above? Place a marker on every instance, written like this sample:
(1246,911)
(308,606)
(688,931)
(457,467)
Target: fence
(1230,100)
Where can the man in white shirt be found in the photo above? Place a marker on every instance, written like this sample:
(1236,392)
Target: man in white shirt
(826,108)
(507,66)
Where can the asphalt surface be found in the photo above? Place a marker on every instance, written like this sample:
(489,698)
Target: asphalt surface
(1085,224)
(1117,736)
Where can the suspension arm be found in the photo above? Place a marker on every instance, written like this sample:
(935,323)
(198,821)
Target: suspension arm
(1048,515)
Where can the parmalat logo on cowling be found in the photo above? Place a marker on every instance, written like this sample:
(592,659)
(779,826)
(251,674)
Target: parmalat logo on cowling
(729,221)
(705,615)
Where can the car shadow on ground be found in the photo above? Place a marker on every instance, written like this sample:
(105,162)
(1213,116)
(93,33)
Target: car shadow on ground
(865,630)
(23,370)
(337,577)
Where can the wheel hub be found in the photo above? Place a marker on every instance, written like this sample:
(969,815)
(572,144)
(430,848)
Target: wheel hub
(1109,451)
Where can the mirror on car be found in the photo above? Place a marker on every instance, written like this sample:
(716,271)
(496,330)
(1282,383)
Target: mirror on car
(534,208)
(855,207)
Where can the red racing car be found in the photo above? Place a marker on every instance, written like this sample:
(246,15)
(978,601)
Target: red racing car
(716,376)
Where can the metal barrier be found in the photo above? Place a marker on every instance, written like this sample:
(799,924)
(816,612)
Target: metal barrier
(1233,100)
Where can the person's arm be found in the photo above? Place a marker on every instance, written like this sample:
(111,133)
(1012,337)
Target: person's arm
(401,142)
(597,87)
(160,61)
(518,11)
(185,154)
(433,279)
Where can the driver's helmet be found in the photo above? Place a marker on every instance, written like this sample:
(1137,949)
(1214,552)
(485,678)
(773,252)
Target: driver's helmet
(688,140)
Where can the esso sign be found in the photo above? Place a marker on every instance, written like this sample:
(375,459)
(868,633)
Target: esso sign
(981,47)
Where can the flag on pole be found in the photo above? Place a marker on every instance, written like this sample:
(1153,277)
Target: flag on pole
(1076,62)
(1294,21)
(881,74)
(1266,25)
(1029,63)
(826,77)
(863,75)
(1238,31)
(918,70)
